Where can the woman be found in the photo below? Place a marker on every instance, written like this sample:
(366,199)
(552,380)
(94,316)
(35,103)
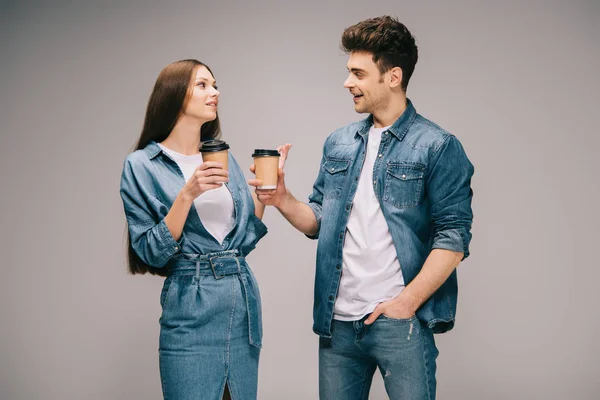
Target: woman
(194,222)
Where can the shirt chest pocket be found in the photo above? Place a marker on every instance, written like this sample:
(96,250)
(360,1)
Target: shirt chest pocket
(404,184)
(336,173)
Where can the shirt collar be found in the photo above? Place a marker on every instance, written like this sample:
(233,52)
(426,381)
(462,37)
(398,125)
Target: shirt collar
(398,128)
(152,149)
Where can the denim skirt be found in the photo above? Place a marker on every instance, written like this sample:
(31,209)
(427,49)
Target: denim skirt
(210,328)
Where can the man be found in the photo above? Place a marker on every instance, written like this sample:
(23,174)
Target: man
(391,207)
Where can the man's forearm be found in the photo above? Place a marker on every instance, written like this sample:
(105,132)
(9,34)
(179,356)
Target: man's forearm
(299,214)
(437,268)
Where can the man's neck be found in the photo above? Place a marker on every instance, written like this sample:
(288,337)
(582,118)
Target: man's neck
(388,115)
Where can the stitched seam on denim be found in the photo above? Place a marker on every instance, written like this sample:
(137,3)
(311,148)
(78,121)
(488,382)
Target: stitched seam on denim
(364,384)
(342,144)
(258,304)
(383,146)
(169,289)
(426,363)
(463,240)
(163,381)
(340,160)
(142,222)
(227,351)
(436,151)
(161,230)
(449,302)
(168,241)
(247,309)
(413,318)
(410,165)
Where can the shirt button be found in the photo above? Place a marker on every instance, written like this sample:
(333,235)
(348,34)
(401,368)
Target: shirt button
(374,182)
(347,207)
(332,169)
(338,267)
(380,155)
(330,298)
(403,176)
(176,248)
(356,178)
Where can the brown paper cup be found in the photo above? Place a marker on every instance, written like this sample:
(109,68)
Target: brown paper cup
(266,171)
(218,156)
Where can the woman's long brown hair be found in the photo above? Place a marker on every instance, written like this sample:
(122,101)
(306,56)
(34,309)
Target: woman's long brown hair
(169,98)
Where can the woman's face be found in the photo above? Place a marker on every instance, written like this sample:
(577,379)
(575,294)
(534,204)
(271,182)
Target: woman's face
(204,96)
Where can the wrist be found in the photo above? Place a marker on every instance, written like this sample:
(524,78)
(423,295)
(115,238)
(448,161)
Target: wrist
(185,198)
(285,200)
(410,300)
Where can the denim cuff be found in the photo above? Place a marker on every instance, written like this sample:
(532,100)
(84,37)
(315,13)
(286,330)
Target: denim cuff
(169,244)
(451,239)
(316,209)
(259,227)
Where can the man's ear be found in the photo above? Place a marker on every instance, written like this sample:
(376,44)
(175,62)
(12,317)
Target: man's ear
(395,77)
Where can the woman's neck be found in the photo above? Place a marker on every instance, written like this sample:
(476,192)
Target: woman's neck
(185,136)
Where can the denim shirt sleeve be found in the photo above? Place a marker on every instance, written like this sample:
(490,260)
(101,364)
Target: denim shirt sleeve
(150,238)
(449,187)
(315,200)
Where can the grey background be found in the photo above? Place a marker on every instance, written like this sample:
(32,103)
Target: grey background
(515,81)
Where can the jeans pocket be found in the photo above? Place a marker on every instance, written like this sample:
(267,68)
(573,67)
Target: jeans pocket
(164,294)
(404,184)
(411,319)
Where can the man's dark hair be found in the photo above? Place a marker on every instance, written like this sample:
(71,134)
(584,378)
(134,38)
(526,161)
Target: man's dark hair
(390,42)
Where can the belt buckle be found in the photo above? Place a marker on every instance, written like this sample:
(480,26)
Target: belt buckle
(212,266)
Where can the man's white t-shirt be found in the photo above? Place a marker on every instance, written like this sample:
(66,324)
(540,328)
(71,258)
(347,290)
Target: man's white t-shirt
(371,271)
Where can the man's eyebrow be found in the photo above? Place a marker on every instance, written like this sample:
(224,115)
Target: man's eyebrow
(355,70)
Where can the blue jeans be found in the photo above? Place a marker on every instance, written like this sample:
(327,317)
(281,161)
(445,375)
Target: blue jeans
(210,330)
(403,350)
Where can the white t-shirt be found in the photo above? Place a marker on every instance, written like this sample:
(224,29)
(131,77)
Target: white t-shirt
(214,207)
(371,271)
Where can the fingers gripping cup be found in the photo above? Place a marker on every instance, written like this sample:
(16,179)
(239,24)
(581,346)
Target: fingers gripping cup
(266,163)
(215,150)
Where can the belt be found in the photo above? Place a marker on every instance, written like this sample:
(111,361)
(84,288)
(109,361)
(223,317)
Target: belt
(218,264)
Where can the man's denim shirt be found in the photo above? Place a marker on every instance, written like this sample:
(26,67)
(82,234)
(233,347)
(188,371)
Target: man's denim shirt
(150,182)
(422,180)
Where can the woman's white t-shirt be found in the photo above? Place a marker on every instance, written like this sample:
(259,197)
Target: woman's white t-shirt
(214,207)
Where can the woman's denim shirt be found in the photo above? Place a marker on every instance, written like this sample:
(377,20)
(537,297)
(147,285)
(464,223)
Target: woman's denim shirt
(150,182)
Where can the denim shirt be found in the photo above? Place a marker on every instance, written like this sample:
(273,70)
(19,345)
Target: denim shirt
(150,182)
(422,181)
